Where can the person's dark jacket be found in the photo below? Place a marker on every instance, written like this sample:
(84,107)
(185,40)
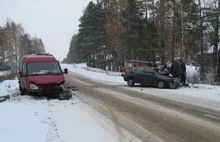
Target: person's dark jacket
(177,71)
(149,64)
(171,69)
(183,67)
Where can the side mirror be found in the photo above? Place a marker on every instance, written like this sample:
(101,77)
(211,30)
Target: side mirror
(66,71)
(20,73)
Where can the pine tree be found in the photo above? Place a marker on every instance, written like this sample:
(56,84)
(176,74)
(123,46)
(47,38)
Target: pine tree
(72,56)
(212,15)
(92,40)
(132,19)
(113,27)
(163,13)
(86,49)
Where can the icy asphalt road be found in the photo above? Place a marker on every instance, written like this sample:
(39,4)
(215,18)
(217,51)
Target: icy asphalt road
(148,117)
(106,109)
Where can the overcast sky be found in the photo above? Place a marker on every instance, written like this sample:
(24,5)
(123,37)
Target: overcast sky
(54,21)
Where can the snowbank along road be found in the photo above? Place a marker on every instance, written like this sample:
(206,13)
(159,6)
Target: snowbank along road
(36,119)
(149,117)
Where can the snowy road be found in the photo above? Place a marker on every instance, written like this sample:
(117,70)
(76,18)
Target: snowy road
(149,117)
(106,109)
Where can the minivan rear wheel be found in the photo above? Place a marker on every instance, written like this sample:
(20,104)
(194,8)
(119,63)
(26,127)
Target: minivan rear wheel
(130,82)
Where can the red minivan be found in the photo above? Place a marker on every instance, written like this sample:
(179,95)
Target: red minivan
(40,74)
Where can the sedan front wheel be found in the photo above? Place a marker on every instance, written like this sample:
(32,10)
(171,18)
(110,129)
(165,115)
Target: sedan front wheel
(130,82)
(161,84)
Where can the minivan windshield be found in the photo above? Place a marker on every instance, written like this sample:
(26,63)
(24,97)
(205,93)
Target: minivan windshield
(43,68)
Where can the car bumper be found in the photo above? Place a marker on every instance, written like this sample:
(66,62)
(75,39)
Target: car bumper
(125,78)
(46,89)
(169,83)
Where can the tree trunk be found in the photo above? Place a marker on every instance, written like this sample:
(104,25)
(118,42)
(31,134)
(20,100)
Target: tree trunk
(217,39)
(174,31)
(202,70)
(162,26)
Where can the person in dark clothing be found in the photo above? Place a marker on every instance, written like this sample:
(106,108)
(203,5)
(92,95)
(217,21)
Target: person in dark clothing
(183,75)
(176,70)
(165,69)
(171,68)
(154,64)
(149,64)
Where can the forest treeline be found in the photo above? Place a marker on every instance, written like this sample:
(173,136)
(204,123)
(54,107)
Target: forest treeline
(14,41)
(111,32)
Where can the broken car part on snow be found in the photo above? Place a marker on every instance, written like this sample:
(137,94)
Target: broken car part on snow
(4,98)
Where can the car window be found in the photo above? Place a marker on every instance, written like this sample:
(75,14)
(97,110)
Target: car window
(140,69)
(133,69)
(43,68)
(148,70)
(24,69)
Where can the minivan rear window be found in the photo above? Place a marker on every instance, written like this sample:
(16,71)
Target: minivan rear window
(43,68)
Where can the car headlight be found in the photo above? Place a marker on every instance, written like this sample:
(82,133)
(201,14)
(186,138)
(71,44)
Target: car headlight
(33,86)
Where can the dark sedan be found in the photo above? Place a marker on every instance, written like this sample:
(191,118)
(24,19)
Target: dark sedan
(146,75)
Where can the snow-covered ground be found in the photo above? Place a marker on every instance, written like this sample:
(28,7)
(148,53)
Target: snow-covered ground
(4,72)
(208,92)
(25,118)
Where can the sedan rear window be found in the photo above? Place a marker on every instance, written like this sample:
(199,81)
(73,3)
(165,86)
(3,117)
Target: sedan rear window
(43,68)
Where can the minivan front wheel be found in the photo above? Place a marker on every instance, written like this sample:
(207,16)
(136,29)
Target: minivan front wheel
(130,82)
(161,84)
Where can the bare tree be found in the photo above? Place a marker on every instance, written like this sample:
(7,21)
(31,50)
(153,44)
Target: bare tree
(14,42)
(37,45)
(11,41)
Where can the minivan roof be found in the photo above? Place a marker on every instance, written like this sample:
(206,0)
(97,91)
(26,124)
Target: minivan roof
(38,58)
